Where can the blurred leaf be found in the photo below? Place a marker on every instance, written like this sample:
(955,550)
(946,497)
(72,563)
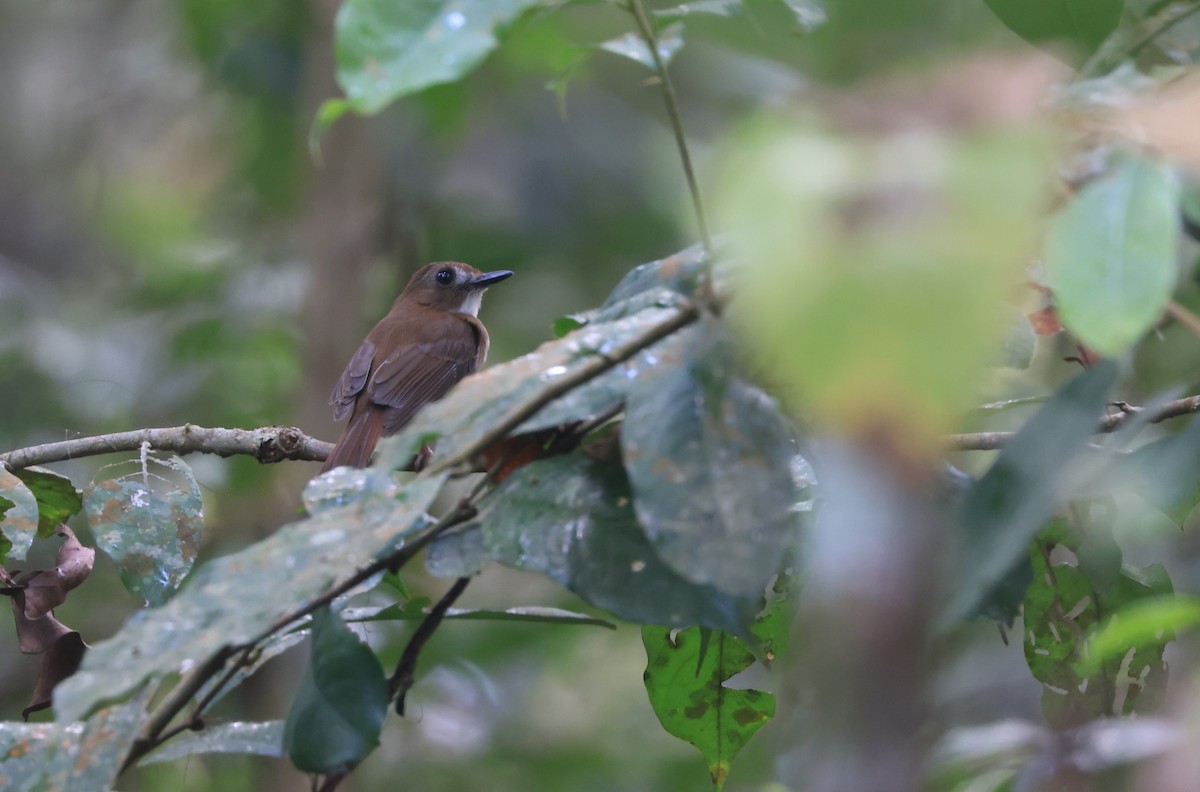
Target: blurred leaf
(1004,510)
(18,516)
(861,257)
(235,598)
(73,757)
(57,498)
(1112,287)
(709,459)
(387,50)
(633,46)
(1165,473)
(339,710)
(724,8)
(679,272)
(1082,23)
(571,518)
(259,739)
(1143,624)
(456,554)
(809,14)
(148,523)
(417,610)
(686,680)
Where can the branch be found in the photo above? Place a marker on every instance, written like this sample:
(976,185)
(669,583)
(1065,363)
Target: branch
(267,444)
(990,441)
(405,675)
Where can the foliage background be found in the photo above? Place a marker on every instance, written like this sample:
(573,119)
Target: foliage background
(170,252)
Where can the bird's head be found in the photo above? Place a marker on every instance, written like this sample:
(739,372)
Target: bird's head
(451,286)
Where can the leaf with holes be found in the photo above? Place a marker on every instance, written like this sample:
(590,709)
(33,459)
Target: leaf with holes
(148,522)
(685,679)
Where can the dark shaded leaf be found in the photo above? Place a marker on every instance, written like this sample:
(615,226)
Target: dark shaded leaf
(1080,23)
(18,515)
(57,498)
(686,684)
(149,523)
(235,598)
(709,459)
(258,739)
(46,589)
(571,518)
(1004,510)
(338,712)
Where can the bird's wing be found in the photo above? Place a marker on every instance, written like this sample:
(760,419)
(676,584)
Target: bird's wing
(351,383)
(420,372)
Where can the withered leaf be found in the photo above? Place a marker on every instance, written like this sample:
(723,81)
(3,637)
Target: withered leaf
(46,589)
(61,661)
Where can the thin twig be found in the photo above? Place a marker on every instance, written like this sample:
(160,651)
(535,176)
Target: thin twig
(991,441)
(405,675)
(668,90)
(1183,315)
(266,444)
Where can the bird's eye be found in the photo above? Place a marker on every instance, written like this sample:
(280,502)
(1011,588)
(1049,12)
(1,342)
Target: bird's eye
(445,277)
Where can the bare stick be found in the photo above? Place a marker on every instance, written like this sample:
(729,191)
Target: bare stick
(266,444)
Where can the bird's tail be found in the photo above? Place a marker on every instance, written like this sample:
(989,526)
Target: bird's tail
(357,443)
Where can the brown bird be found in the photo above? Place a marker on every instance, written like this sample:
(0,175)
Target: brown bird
(430,340)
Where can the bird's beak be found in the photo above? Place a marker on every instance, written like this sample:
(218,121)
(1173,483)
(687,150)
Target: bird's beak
(488,278)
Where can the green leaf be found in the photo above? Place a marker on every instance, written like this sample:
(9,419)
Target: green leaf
(148,522)
(236,598)
(1111,255)
(686,680)
(258,739)
(339,710)
(809,14)
(18,515)
(387,50)
(57,498)
(709,459)
(1004,510)
(571,518)
(723,8)
(1144,625)
(634,47)
(72,757)
(1082,23)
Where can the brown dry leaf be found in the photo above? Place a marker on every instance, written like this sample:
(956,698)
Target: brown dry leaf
(46,589)
(36,635)
(512,453)
(61,661)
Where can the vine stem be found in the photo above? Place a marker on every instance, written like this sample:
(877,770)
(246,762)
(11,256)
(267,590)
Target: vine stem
(646,30)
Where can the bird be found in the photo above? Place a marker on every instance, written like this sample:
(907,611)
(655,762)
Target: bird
(429,340)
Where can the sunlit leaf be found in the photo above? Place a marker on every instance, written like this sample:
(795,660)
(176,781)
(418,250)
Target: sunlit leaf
(259,739)
(18,515)
(1111,255)
(387,50)
(724,8)
(57,498)
(709,459)
(809,14)
(236,598)
(417,610)
(1004,510)
(633,46)
(338,712)
(1081,23)
(148,522)
(571,518)
(685,680)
